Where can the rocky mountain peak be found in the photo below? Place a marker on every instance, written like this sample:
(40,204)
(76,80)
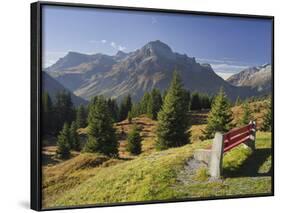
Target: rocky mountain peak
(157,48)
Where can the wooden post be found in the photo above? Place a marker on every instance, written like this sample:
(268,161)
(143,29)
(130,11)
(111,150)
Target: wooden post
(215,167)
(252,139)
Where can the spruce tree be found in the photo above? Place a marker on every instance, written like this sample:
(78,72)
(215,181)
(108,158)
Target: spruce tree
(136,110)
(64,111)
(81,117)
(101,134)
(205,101)
(173,125)
(267,121)
(125,107)
(220,117)
(246,117)
(154,104)
(187,98)
(113,109)
(47,114)
(130,117)
(195,102)
(134,141)
(145,102)
(63,143)
(73,137)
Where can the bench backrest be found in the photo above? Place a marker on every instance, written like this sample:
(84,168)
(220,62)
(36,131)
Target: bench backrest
(237,136)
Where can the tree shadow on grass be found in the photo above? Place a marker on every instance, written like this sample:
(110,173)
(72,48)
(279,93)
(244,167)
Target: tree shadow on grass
(251,166)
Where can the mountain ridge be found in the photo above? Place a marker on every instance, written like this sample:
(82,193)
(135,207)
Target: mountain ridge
(51,86)
(256,77)
(137,72)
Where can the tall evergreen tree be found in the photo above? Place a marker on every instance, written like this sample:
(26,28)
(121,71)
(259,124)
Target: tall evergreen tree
(154,104)
(136,110)
(130,117)
(145,101)
(205,101)
(47,114)
(173,122)
(187,99)
(220,116)
(101,134)
(73,137)
(134,141)
(267,121)
(246,116)
(64,111)
(63,143)
(125,107)
(113,109)
(195,102)
(164,95)
(81,117)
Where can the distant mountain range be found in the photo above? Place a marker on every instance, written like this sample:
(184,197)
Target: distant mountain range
(258,78)
(139,71)
(51,86)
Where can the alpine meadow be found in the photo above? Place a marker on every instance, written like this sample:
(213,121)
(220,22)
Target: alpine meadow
(136,112)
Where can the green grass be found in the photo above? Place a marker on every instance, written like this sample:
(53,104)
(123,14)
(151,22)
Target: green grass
(158,176)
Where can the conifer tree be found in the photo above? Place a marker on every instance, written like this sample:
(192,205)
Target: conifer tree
(81,117)
(113,109)
(246,117)
(63,143)
(145,102)
(195,102)
(101,134)
(64,111)
(267,121)
(130,117)
(73,137)
(173,122)
(154,104)
(205,101)
(187,98)
(136,110)
(134,141)
(47,108)
(125,107)
(220,116)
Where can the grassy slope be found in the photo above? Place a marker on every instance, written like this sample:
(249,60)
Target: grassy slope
(159,176)
(92,178)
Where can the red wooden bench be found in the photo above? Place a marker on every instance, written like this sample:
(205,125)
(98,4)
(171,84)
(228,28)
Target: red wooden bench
(222,143)
(237,136)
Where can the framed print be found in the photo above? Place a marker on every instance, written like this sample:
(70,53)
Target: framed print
(141,106)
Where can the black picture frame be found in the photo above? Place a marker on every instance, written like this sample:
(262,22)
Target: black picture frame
(36,64)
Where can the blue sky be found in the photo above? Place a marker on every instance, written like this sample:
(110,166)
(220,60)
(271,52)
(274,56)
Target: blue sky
(228,44)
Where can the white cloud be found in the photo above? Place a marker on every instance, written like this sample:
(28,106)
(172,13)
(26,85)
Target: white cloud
(225,67)
(228,68)
(224,75)
(117,46)
(220,61)
(103,41)
(113,44)
(51,57)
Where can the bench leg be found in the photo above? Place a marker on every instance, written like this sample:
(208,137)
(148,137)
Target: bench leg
(215,167)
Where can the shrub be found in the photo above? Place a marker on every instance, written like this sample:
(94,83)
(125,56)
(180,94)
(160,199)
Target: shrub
(63,143)
(134,141)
